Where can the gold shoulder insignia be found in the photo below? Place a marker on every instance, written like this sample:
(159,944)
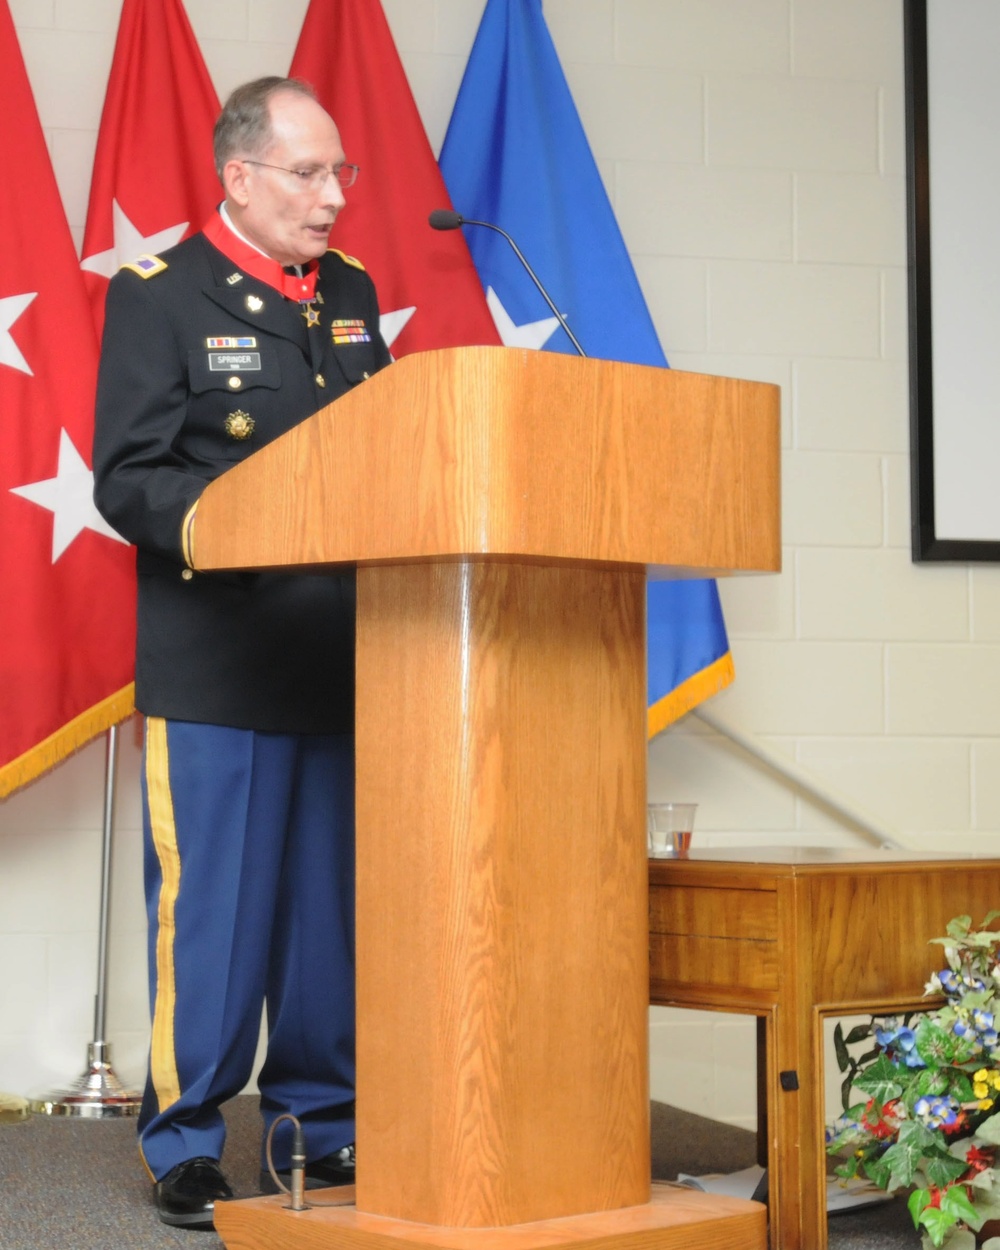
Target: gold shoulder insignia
(348,260)
(146,266)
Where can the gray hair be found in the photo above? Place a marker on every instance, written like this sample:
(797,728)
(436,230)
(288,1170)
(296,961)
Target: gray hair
(244,125)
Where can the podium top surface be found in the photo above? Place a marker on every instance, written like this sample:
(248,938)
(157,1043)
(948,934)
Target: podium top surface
(507,453)
(815,860)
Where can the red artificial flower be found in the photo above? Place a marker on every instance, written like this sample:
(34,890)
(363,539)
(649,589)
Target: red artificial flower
(978,1160)
(886,1124)
(959,1124)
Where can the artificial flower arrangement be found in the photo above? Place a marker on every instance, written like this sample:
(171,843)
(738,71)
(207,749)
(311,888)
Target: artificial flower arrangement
(931,1113)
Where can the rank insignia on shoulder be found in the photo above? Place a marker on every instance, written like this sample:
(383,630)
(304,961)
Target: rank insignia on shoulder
(348,260)
(146,266)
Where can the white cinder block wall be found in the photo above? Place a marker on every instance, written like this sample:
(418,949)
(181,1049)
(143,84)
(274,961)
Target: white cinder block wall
(754,150)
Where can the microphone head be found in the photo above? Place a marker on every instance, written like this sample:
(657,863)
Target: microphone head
(445,219)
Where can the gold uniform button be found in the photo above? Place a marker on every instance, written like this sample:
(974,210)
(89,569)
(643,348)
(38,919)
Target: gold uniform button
(235,382)
(366,375)
(187,574)
(320,380)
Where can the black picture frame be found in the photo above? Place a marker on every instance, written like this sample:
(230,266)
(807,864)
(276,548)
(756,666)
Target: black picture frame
(926,544)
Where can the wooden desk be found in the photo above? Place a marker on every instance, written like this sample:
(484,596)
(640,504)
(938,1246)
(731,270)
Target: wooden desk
(790,936)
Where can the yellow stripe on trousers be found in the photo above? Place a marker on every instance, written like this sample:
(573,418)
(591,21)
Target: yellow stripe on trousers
(163,1056)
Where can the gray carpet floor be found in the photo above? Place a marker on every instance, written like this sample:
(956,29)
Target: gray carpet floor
(79,1185)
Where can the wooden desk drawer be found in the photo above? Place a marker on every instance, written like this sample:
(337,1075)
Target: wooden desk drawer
(713,913)
(712,963)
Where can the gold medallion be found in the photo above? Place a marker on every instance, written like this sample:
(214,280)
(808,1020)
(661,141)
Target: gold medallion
(239,424)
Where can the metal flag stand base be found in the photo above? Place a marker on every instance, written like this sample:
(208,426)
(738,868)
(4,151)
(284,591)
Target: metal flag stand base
(98,1093)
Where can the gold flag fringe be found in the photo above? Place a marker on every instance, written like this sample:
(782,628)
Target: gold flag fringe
(71,737)
(698,687)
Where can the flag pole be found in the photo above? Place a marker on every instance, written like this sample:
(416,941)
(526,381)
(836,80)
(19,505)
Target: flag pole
(98,1093)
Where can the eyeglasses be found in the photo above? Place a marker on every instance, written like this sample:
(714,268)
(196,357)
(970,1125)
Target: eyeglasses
(313,177)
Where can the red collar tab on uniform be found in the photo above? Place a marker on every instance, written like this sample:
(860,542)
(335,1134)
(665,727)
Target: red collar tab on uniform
(259,266)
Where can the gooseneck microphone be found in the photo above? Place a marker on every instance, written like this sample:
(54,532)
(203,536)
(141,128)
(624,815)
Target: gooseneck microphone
(447,219)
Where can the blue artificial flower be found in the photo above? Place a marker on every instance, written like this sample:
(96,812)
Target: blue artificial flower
(887,1031)
(982,1020)
(936,1111)
(900,1043)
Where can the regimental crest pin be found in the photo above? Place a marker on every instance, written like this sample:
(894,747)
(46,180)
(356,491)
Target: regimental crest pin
(254,303)
(239,424)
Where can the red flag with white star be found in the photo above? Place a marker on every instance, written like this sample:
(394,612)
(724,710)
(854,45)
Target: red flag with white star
(154,177)
(429,292)
(66,604)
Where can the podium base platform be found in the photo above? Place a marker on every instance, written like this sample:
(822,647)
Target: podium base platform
(675,1218)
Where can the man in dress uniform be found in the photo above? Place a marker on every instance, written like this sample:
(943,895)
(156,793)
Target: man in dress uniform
(246,680)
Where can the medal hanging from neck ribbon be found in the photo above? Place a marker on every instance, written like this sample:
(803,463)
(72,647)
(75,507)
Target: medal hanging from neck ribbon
(293,286)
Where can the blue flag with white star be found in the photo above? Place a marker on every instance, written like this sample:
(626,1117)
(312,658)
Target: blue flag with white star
(516,155)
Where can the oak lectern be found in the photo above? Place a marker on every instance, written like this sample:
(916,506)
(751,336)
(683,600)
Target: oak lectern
(504,509)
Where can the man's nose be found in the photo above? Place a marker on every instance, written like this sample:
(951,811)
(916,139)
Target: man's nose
(333,193)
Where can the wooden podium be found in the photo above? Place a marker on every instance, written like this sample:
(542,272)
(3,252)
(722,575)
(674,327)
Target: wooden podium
(503,508)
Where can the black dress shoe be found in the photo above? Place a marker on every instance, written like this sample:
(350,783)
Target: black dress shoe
(325,1173)
(187,1194)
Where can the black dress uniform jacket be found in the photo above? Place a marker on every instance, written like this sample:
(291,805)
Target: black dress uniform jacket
(272,652)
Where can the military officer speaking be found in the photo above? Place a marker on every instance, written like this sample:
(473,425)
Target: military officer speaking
(246,680)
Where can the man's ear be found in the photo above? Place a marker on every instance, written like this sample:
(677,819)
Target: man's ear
(234,180)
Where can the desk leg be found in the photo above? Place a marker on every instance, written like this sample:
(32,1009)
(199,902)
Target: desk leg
(795,1102)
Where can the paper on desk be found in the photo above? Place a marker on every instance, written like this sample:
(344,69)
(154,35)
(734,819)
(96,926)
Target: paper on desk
(840,1196)
(732,1184)
(849,1195)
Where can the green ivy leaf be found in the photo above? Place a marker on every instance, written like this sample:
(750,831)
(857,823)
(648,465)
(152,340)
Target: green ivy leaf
(916,1203)
(989,1130)
(944,1168)
(956,1202)
(987,1205)
(961,1239)
(912,1144)
(878,1172)
(937,1046)
(929,1081)
(881,1081)
(937,1223)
